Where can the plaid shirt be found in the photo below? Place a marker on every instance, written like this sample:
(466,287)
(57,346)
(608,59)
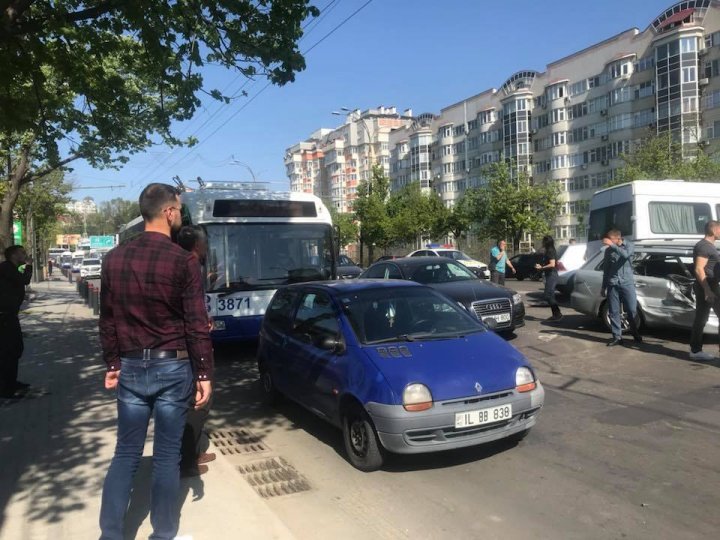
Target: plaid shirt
(152,298)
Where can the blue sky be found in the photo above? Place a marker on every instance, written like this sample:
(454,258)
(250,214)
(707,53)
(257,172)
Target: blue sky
(419,54)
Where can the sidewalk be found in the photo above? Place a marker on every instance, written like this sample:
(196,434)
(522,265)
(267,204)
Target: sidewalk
(56,444)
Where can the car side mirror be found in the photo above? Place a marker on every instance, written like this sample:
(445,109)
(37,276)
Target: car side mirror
(334,344)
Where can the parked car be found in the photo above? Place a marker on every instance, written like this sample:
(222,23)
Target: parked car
(347,269)
(500,307)
(524,265)
(570,258)
(478,268)
(90,268)
(664,277)
(387,258)
(397,366)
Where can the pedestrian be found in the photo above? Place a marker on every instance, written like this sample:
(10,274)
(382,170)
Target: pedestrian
(551,276)
(193,460)
(572,242)
(618,285)
(707,293)
(50,267)
(156,345)
(498,260)
(12,294)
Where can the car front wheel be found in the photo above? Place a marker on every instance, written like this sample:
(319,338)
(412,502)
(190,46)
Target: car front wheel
(624,320)
(361,441)
(270,393)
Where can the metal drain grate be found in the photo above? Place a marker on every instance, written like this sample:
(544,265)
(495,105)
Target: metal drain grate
(274,477)
(236,441)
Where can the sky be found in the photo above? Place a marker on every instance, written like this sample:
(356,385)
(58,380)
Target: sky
(418,54)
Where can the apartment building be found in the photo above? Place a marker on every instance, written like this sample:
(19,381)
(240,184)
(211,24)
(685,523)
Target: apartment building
(85,206)
(332,162)
(571,123)
(568,124)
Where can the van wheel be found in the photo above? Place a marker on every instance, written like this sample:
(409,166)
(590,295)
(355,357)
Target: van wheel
(361,441)
(624,321)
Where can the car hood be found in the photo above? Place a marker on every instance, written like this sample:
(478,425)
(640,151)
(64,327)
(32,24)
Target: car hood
(450,368)
(467,292)
(472,263)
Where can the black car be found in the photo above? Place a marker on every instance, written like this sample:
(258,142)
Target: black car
(524,265)
(501,308)
(347,269)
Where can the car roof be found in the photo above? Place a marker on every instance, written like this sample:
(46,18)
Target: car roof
(349,285)
(413,262)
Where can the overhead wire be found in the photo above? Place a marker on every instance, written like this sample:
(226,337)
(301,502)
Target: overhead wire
(267,85)
(309,26)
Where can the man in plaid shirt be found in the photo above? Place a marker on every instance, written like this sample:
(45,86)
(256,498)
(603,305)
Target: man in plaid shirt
(156,345)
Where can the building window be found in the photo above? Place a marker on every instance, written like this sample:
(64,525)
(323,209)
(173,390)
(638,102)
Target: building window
(558,115)
(688,44)
(689,74)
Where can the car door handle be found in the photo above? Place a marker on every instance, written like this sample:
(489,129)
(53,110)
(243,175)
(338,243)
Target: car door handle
(640,285)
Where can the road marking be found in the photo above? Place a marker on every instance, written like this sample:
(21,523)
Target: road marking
(547,336)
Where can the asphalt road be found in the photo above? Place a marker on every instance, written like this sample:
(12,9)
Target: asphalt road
(625,447)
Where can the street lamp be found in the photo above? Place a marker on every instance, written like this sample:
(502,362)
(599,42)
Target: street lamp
(238,162)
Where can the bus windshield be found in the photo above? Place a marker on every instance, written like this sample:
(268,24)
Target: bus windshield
(264,256)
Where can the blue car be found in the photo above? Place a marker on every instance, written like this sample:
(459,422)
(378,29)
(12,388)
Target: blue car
(398,366)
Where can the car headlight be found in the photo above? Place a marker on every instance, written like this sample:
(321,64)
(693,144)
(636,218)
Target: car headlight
(417,397)
(524,380)
(517,298)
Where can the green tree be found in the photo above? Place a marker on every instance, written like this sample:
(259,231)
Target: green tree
(108,78)
(346,225)
(658,157)
(459,219)
(414,214)
(509,206)
(371,211)
(46,201)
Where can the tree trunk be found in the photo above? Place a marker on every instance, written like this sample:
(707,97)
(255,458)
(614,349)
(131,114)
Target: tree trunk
(14,183)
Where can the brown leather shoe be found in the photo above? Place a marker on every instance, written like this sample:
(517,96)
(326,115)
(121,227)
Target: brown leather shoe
(206,457)
(195,471)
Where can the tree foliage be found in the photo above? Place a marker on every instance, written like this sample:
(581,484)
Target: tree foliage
(45,200)
(414,214)
(370,208)
(111,215)
(659,157)
(346,225)
(102,79)
(507,207)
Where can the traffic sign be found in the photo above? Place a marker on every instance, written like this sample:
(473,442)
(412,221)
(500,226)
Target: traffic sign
(97,242)
(17,232)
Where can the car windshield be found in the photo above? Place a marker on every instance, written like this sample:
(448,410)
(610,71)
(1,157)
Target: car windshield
(405,314)
(344,260)
(91,262)
(441,272)
(456,255)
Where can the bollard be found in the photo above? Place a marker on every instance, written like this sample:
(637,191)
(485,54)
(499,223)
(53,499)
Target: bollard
(78,285)
(70,276)
(96,306)
(89,294)
(83,289)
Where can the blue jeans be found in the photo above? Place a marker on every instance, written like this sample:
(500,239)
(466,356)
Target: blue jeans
(146,386)
(616,293)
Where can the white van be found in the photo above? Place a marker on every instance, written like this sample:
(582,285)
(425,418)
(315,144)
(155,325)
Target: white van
(653,210)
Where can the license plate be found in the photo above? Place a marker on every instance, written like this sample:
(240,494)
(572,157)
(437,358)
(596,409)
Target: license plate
(232,304)
(483,416)
(500,317)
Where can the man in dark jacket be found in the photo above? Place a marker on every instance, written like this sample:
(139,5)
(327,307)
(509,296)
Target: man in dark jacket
(619,285)
(12,294)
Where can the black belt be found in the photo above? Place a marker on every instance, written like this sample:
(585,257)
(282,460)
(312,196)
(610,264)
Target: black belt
(156,354)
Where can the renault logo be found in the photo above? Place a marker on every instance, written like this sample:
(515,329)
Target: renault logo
(478,387)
